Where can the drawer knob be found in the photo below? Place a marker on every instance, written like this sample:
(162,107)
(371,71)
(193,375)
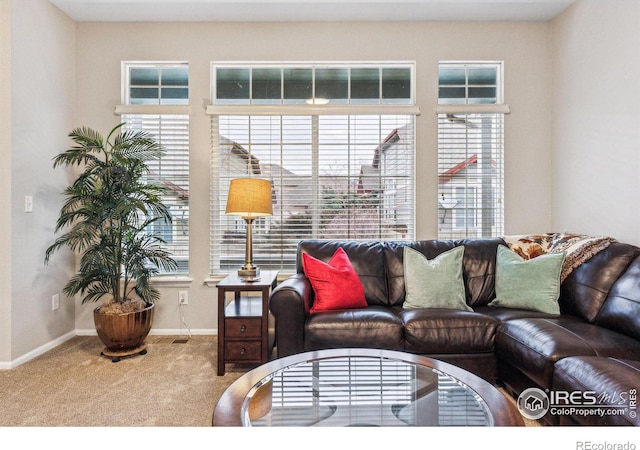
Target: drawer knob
(243,351)
(243,328)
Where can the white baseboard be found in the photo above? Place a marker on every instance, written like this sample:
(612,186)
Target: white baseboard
(182,332)
(37,352)
(92,332)
(159,332)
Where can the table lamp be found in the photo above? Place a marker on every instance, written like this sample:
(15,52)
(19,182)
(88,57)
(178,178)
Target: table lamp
(249,198)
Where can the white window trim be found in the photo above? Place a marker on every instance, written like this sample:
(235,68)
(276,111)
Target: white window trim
(498,108)
(152,109)
(378,109)
(164,280)
(311,110)
(473,109)
(172,280)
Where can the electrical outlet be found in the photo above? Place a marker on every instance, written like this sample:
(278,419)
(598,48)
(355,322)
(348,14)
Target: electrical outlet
(55,302)
(183,297)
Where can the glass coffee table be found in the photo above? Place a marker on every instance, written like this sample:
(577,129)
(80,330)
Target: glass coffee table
(362,387)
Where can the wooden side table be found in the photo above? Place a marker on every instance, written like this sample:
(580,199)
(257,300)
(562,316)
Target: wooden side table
(243,322)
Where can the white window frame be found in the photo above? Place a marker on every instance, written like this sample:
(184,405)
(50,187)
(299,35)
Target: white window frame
(312,109)
(448,225)
(178,279)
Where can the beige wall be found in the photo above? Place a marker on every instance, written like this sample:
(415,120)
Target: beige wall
(5,180)
(524,47)
(596,126)
(42,109)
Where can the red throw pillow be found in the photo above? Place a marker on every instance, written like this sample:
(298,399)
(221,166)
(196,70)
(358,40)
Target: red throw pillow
(335,283)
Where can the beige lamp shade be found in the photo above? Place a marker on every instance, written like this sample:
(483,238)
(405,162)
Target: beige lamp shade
(249,198)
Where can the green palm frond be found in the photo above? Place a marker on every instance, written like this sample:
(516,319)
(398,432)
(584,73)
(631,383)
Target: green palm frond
(106,213)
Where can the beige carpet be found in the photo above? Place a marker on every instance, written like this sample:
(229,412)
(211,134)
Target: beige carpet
(173,385)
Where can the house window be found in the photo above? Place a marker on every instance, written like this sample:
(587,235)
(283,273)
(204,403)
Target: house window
(155,100)
(470,150)
(337,144)
(296,84)
(156,84)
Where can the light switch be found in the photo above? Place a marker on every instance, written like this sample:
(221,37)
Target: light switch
(28,203)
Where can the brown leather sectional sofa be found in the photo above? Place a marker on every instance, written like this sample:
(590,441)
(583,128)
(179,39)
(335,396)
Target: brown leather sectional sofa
(592,346)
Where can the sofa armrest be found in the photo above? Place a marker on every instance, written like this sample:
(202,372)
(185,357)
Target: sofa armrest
(290,303)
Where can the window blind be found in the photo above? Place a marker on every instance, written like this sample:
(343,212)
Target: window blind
(172,172)
(470,175)
(333,177)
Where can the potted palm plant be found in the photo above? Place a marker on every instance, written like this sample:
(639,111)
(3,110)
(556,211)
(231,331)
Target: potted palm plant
(106,217)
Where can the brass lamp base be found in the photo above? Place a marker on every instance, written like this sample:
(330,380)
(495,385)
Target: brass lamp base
(249,273)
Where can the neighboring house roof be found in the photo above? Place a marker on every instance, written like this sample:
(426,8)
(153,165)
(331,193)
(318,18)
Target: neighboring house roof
(181,193)
(448,175)
(239,150)
(234,149)
(369,180)
(387,142)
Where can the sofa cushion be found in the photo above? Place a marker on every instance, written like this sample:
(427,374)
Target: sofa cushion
(528,284)
(366,258)
(335,283)
(621,310)
(534,345)
(584,291)
(429,331)
(504,314)
(435,283)
(372,327)
(610,379)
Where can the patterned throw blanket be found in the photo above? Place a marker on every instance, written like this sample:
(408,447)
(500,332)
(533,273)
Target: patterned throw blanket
(579,247)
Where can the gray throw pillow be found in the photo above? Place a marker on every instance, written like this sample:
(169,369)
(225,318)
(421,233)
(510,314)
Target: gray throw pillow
(532,284)
(435,283)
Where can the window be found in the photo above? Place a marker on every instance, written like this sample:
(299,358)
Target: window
(470,150)
(156,84)
(316,85)
(156,97)
(337,144)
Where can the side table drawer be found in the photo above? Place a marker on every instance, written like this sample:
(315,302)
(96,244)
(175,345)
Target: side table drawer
(242,350)
(243,327)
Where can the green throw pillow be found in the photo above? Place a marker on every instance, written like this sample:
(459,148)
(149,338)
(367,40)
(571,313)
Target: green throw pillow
(532,284)
(435,283)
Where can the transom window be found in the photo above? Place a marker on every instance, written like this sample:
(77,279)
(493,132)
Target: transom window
(156,84)
(469,84)
(312,84)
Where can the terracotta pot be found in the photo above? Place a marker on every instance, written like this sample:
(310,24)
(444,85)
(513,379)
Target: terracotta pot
(121,332)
